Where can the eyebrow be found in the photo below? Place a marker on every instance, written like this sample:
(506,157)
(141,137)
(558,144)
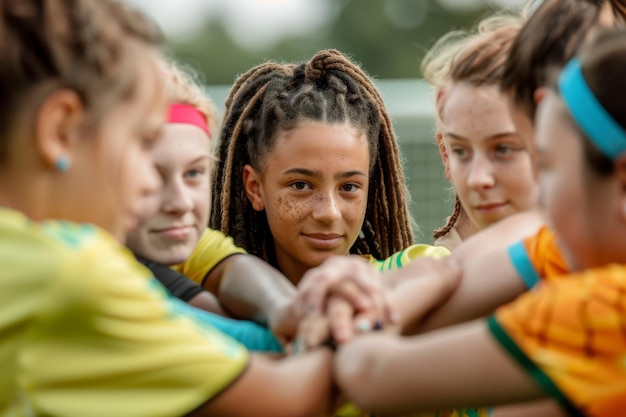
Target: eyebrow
(496,136)
(201,158)
(192,162)
(319,174)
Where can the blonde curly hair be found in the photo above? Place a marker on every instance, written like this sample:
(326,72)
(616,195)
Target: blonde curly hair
(182,86)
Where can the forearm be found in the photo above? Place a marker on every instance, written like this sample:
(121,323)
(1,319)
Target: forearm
(452,368)
(486,283)
(500,235)
(208,302)
(414,299)
(252,289)
(293,387)
(313,386)
(488,277)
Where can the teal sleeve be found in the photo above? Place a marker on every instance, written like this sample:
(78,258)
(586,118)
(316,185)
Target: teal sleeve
(253,336)
(523,265)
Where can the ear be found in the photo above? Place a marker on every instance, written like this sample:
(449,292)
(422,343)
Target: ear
(443,152)
(57,126)
(252,185)
(539,94)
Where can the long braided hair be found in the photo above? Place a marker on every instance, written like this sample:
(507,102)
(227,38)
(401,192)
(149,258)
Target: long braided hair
(329,88)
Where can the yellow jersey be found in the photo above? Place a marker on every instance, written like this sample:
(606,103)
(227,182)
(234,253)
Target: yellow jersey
(87,331)
(213,247)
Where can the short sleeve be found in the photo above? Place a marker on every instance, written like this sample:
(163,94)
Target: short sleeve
(538,258)
(250,334)
(213,247)
(523,264)
(568,334)
(404,257)
(109,343)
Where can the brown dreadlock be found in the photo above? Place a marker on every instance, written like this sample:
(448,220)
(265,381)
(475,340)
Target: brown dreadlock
(270,97)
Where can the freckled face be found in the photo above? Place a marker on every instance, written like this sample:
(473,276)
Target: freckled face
(313,188)
(489,163)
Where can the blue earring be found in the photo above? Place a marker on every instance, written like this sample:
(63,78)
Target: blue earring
(62,163)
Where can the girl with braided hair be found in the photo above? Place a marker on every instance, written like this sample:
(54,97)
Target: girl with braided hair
(487,161)
(309,166)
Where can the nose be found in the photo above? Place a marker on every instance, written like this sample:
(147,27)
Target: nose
(481,174)
(327,208)
(176,198)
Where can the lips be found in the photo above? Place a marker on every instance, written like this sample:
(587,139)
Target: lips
(489,206)
(175,232)
(323,240)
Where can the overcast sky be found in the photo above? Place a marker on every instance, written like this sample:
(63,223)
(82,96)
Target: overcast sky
(250,22)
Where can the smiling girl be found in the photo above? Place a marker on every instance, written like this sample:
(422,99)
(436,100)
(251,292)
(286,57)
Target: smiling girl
(310,168)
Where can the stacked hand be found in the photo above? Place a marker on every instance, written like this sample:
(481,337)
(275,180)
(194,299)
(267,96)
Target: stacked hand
(346,296)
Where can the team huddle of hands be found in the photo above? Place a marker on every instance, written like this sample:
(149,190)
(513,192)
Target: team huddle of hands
(346,297)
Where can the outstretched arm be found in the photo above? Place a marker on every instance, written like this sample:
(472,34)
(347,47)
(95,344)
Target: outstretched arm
(298,386)
(461,366)
(488,277)
(250,288)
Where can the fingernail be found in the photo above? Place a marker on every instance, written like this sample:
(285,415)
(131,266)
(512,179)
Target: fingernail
(364,325)
(298,344)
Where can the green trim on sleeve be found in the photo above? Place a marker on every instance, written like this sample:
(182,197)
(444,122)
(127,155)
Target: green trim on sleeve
(399,257)
(529,366)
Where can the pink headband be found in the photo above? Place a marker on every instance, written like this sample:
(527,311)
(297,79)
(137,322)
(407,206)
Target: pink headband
(184,113)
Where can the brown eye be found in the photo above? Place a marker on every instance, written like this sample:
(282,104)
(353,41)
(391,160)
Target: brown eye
(504,149)
(300,185)
(460,152)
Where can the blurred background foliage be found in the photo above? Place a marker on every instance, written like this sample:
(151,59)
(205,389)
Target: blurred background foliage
(388,37)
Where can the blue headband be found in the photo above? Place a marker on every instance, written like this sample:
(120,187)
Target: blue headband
(597,124)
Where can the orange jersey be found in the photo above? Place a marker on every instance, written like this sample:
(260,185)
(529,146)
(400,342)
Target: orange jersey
(538,257)
(570,335)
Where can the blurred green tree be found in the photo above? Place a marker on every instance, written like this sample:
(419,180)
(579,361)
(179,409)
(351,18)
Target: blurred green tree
(388,37)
